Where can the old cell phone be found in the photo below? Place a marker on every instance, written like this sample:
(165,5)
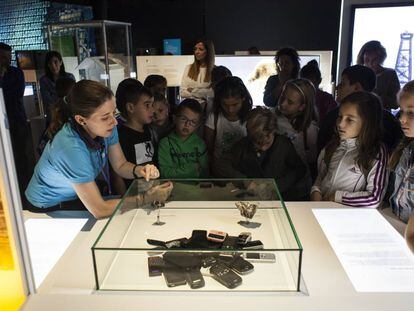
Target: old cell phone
(155,265)
(176,243)
(174,276)
(194,278)
(244,237)
(216,236)
(230,242)
(257,244)
(156,243)
(225,258)
(259,257)
(183,260)
(241,266)
(208,261)
(225,276)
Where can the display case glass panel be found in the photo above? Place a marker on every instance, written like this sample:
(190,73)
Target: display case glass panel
(95,50)
(14,273)
(185,249)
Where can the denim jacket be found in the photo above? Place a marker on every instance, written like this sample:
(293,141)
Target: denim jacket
(402,198)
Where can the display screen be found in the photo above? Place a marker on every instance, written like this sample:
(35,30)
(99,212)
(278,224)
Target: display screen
(393,26)
(255,70)
(28,90)
(172,46)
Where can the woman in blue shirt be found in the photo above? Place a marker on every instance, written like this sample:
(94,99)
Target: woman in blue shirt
(80,151)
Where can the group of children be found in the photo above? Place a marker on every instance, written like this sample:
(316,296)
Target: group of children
(344,158)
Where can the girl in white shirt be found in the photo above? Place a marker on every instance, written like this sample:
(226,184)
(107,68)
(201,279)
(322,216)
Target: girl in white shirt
(196,81)
(226,124)
(352,167)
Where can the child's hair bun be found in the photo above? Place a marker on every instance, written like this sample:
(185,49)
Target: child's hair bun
(313,62)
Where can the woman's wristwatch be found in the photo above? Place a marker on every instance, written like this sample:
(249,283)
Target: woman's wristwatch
(133,171)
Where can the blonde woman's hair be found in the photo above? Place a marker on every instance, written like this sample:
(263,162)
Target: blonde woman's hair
(210,57)
(406,91)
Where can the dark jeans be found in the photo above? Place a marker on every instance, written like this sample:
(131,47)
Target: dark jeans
(73,205)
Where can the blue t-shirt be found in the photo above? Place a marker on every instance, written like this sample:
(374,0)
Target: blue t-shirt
(66,161)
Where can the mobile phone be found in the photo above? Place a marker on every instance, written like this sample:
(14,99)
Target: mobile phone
(230,242)
(225,258)
(244,237)
(156,243)
(241,266)
(197,234)
(194,278)
(225,276)
(260,257)
(183,260)
(155,265)
(174,276)
(176,243)
(208,262)
(257,244)
(216,236)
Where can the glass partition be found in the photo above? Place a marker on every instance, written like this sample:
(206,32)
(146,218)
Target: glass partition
(95,50)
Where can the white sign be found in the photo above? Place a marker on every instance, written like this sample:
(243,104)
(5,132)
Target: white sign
(374,255)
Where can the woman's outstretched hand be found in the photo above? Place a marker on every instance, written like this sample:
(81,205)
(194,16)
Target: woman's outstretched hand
(148,172)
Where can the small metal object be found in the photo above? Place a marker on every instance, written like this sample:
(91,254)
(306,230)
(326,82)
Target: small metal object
(247,210)
(157,205)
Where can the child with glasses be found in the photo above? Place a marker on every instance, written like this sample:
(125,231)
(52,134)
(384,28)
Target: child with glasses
(183,154)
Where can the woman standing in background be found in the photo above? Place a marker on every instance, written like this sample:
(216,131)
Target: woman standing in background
(196,81)
(54,69)
(287,68)
(372,55)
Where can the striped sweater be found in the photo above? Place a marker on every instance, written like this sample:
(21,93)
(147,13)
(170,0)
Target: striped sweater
(343,178)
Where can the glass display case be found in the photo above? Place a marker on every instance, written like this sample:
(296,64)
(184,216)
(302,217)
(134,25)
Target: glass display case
(94,50)
(16,281)
(209,235)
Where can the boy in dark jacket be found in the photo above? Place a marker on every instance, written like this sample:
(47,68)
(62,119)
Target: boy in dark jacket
(264,154)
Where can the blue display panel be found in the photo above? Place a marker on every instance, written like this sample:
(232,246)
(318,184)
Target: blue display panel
(172,46)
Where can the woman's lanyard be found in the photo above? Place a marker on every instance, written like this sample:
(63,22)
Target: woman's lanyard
(105,168)
(99,145)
